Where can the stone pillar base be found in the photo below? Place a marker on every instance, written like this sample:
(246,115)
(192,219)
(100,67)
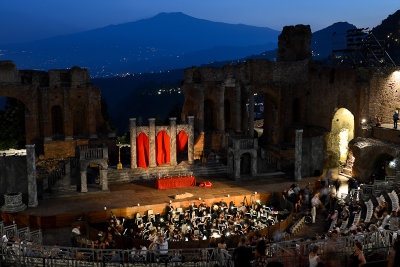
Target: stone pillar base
(13,203)
(69,138)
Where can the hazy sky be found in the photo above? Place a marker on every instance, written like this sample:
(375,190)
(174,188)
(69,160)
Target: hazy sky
(22,20)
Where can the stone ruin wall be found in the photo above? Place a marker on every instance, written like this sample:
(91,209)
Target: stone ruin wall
(69,89)
(298,92)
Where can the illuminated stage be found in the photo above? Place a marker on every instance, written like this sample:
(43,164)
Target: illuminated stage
(123,200)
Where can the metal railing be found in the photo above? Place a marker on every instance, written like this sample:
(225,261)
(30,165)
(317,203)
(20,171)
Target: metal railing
(24,233)
(92,152)
(27,254)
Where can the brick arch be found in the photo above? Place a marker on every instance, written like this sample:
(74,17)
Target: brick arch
(40,91)
(31,114)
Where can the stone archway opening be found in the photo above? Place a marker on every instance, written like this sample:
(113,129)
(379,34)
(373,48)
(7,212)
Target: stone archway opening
(245,164)
(342,132)
(209,115)
(182,147)
(384,166)
(12,123)
(93,174)
(57,123)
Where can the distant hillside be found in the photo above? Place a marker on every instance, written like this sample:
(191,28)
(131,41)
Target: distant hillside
(322,40)
(388,33)
(136,95)
(163,42)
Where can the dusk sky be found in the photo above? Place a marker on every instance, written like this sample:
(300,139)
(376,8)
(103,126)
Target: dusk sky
(25,20)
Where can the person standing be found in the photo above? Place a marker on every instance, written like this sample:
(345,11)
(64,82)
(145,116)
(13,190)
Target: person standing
(242,255)
(357,258)
(313,257)
(315,202)
(395,119)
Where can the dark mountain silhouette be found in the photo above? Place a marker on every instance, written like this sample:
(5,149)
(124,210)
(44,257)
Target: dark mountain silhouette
(323,40)
(137,95)
(388,34)
(165,41)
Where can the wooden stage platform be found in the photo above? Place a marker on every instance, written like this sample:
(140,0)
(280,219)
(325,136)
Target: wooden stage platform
(123,200)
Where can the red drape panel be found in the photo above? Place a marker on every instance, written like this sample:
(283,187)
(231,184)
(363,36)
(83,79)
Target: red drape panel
(181,141)
(142,146)
(162,148)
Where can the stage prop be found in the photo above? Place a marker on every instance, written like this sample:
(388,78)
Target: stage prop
(181,141)
(163,148)
(182,196)
(153,146)
(143,151)
(175,182)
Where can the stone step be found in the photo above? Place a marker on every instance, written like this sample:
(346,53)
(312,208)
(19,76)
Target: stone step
(128,175)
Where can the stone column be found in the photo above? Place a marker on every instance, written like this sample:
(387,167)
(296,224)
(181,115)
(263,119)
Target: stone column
(251,114)
(221,109)
(152,142)
(200,110)
(172,127)
(92,116)
(238,110)
(68,126)
(47,129)
(254,163)
(83,182)
(104,180)
(236,166)
(132,129)
(31,175)
(191,139)
(298,154)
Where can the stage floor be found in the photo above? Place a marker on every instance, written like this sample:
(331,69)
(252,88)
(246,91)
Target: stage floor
(129,195)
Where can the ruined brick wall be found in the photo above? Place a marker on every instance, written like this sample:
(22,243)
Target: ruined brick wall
(59,104)
(384,95)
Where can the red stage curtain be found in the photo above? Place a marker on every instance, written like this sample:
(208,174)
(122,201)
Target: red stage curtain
(142,146)
(181,141)
(162,148)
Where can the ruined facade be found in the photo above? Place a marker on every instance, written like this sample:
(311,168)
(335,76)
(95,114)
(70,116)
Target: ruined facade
(60,105)
(299,93)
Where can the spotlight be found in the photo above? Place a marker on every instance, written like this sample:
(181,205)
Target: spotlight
(105,208)
(138,204)
(363,121)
